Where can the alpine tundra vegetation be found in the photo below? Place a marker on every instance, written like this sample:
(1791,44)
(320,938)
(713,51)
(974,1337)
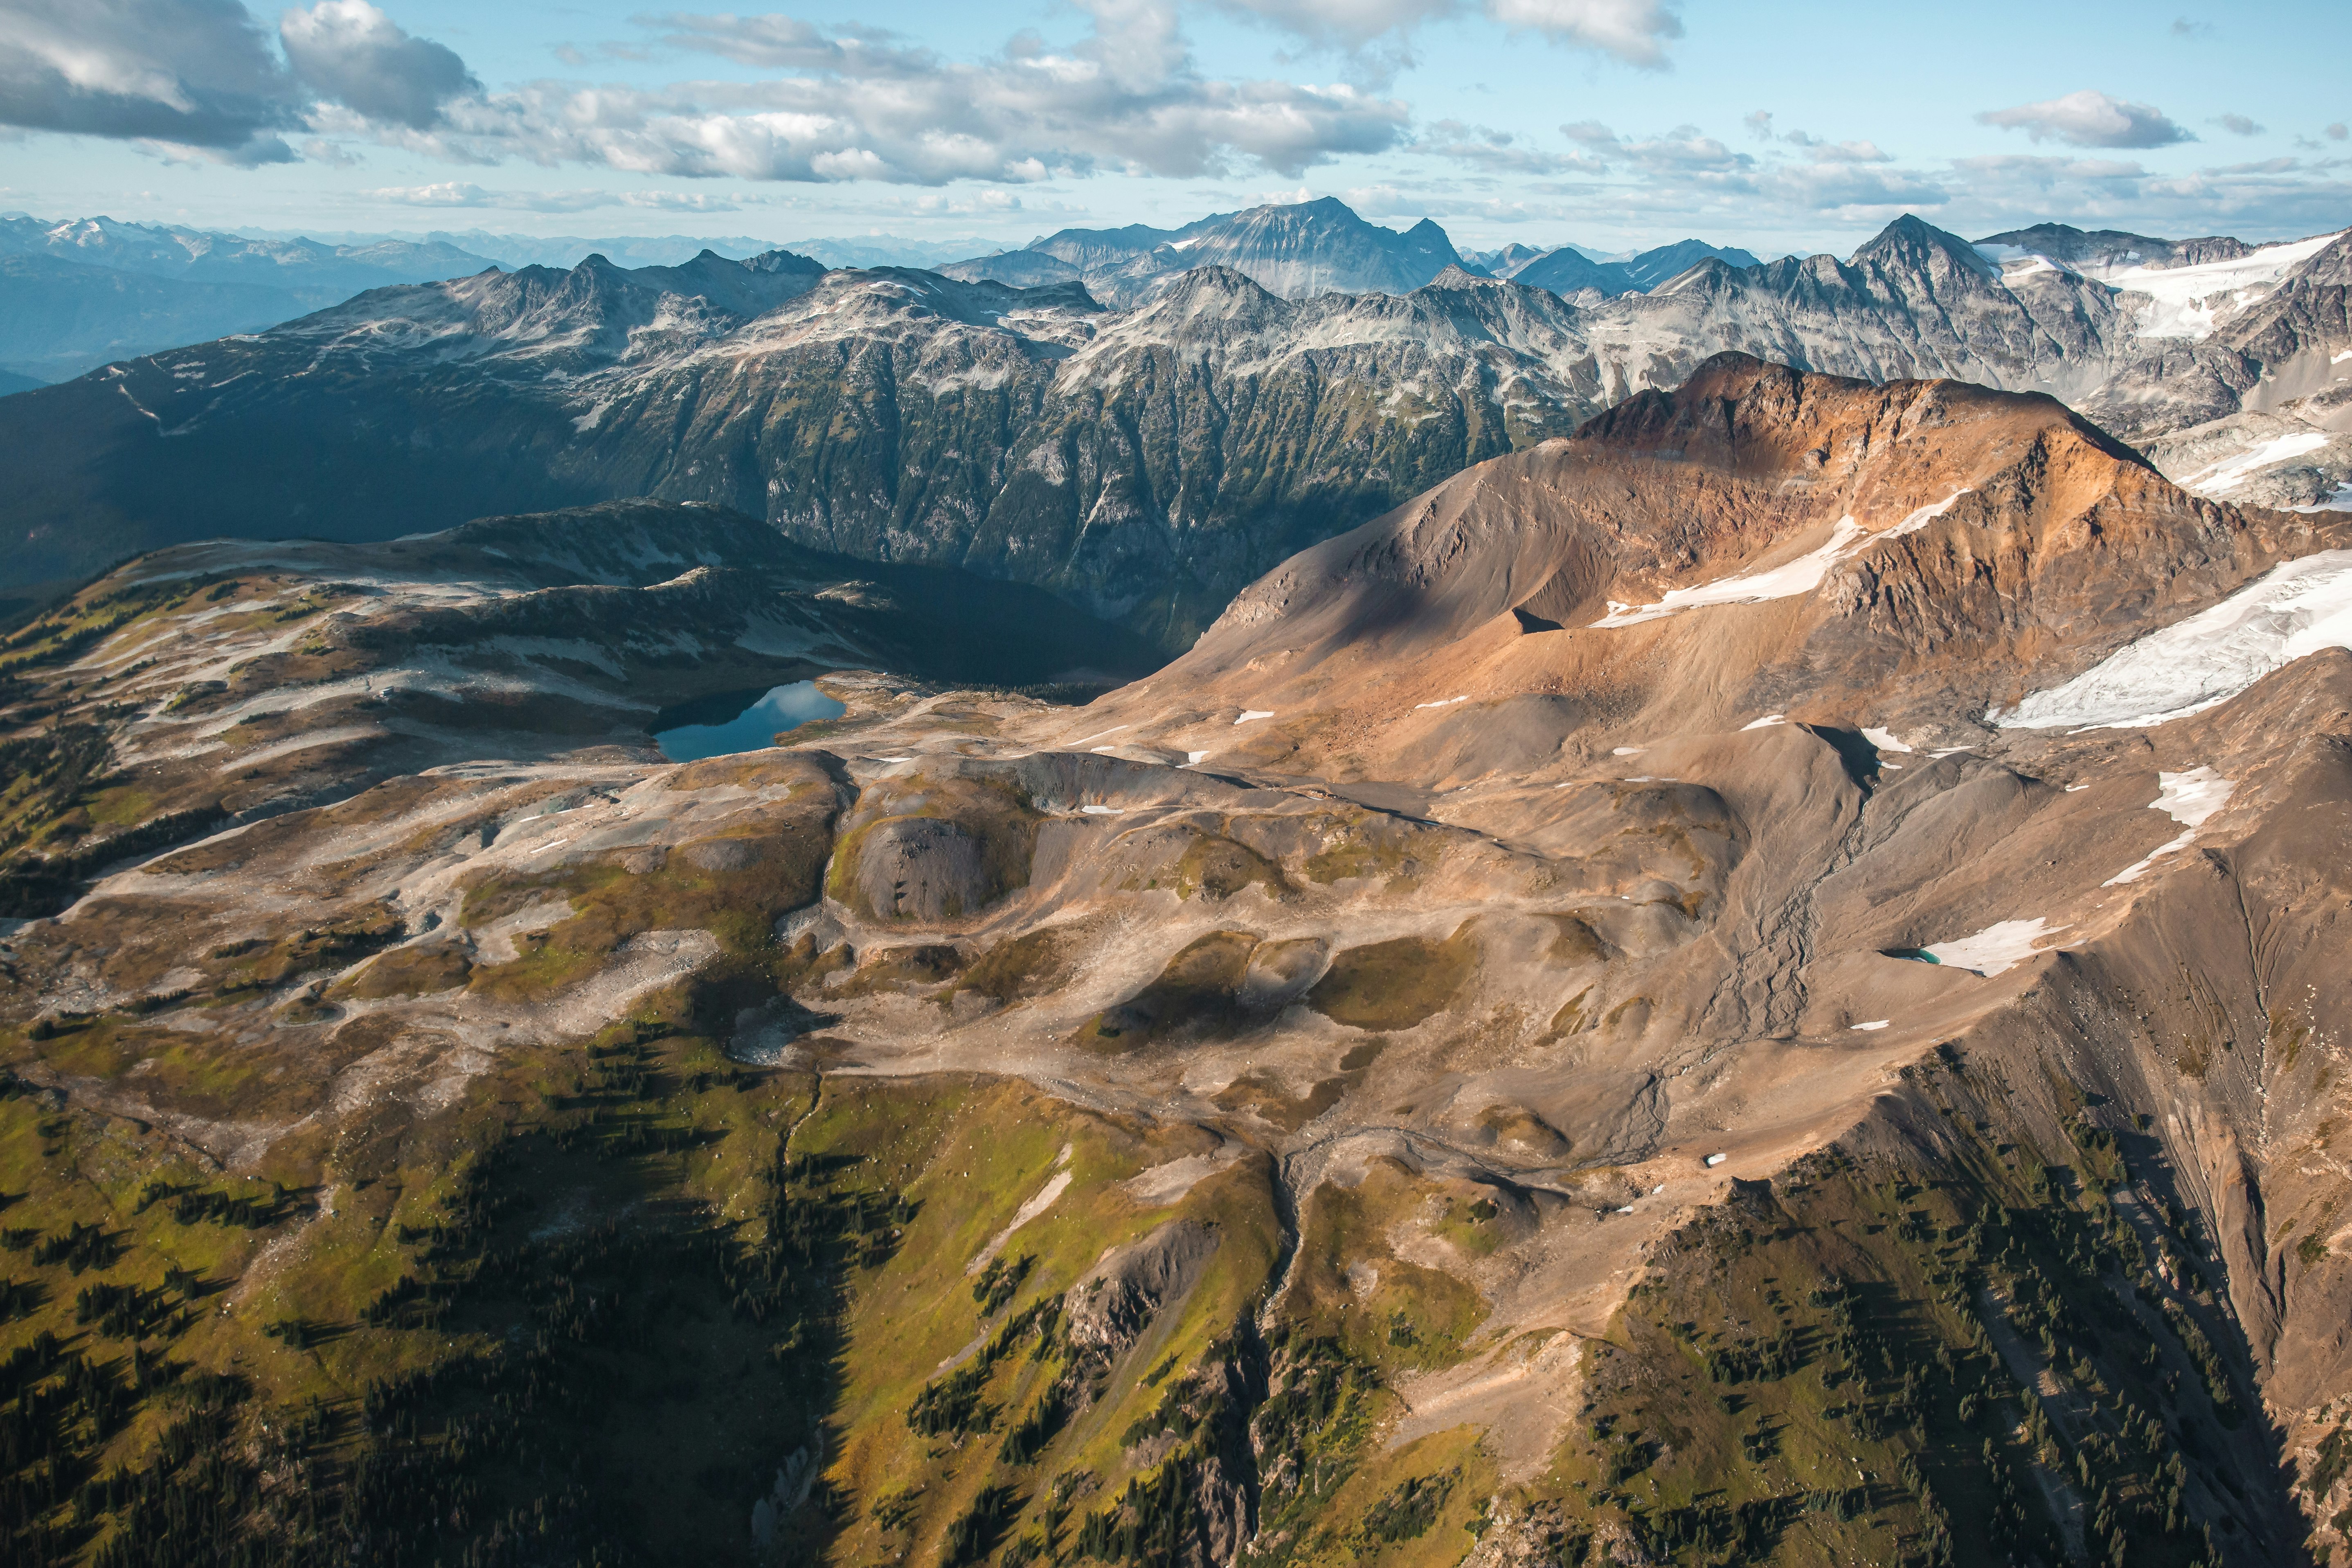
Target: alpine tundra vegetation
(1253,891)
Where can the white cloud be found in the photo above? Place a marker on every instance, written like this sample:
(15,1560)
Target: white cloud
(350,51)
(860,105)
(2089,118)
(198,78)
(192,74)
(1635,31)
(846,103)
(2238,125)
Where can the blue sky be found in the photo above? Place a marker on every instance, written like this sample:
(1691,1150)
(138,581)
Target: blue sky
(1613,123)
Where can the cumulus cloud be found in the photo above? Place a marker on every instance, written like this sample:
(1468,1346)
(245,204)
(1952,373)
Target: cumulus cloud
(842,103)
(1635,31)
(2238,125)
(857,104)
(196,74)
(2337,132)
(199,78)
(2089,119)
(349,51)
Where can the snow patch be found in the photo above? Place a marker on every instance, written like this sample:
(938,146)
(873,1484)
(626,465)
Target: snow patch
(1250,713)
(1627,750)
(2191,798)
(1100,810)
(1920,519)
(1998,947)
(2230,472)
(2296,607)
(1873,1024)
(1447,702)
(1802,575)
(1883,740)
(2188,798)
(1765,722)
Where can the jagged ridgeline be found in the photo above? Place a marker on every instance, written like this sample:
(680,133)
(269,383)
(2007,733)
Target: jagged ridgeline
(1145,461)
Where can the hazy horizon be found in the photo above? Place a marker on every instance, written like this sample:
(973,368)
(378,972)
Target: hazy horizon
(1613,124)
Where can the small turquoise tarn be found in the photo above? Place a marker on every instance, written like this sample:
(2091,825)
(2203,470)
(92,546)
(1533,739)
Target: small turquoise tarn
(739,720)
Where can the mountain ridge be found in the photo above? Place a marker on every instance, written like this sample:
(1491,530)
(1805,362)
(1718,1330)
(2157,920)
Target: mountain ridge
(1573,1022)
(1144,462)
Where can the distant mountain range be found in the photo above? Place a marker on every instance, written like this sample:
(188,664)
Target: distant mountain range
(515,250)
(1313,248)
(85,292)
(1144,462)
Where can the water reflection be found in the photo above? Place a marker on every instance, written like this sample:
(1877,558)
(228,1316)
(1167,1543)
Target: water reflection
(704,729)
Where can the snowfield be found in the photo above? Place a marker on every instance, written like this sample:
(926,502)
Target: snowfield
(1786,580)
(2230,472)
(2188,798)
(1998,947)
(2184,301)
(1802,575)
(2294,609)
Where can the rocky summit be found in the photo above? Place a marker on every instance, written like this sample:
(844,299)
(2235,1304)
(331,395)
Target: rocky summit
(1747,967)
(1142,444)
